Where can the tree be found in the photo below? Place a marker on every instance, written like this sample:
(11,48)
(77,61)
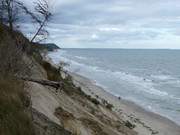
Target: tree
(1,11)
(41,16)
(9,12)
(43,9)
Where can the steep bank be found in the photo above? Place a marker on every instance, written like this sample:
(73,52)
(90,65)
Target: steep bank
(40,109)
(17,116)
(74,110)
(76,107)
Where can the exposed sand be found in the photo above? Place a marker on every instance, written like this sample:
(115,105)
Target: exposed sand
(147,123)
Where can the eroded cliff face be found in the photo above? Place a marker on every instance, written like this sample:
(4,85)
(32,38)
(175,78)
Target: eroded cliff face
(69,108)
(51,111)
(17,116)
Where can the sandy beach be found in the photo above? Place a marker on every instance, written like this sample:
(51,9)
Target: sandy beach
(147,123)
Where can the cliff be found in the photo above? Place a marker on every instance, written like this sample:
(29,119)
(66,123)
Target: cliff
(29,107)
(47,46)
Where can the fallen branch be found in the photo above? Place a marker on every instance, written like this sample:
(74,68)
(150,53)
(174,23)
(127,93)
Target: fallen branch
(53,84)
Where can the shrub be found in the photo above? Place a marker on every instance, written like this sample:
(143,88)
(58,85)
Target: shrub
(129,125)
(95,101)
(109,106)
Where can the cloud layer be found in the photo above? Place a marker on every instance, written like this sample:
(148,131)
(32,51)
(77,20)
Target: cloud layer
(116,23)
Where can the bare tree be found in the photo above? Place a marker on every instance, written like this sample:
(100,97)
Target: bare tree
(1,11)
(41,16)
(9,12)
(43,9)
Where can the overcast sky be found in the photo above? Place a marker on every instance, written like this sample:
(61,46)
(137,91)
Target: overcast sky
(115,23)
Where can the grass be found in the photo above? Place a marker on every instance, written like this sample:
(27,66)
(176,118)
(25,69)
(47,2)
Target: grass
(14,116)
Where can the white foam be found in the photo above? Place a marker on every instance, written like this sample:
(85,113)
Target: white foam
(162,77)
(144,84)
(81,58)
(141,83)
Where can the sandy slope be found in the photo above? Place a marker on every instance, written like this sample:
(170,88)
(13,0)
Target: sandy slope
(73,115)
(147,123)
(77,114)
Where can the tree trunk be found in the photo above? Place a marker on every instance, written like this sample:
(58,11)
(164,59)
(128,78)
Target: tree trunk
(10,17)
(43,23)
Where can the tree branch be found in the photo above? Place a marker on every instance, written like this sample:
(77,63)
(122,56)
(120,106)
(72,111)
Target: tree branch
(53,84)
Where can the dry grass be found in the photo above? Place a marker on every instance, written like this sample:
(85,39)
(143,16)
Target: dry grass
(12,54)
(14,115)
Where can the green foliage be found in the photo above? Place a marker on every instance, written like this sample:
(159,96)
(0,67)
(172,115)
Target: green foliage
(14,116)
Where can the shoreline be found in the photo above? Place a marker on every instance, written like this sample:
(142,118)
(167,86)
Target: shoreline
(146,121)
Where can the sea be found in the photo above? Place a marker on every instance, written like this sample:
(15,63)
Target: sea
(149,78)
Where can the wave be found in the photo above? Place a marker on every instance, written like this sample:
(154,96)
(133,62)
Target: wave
(143,84)
(147,89)
(80,58)
(163,77)
(140,83)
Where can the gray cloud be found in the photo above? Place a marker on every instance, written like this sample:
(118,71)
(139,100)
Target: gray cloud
(116,23)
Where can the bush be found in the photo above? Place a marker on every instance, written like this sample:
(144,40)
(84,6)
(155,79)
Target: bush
(109,106)
(129,125)
(95,101)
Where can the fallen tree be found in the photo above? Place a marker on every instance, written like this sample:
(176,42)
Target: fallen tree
(56,85)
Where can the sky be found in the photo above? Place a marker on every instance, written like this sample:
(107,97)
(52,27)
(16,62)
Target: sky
(114,23)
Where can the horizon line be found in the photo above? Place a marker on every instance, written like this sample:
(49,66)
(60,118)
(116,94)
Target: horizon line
(127,48)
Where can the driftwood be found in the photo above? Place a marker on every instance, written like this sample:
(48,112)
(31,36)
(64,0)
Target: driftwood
(53,84)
